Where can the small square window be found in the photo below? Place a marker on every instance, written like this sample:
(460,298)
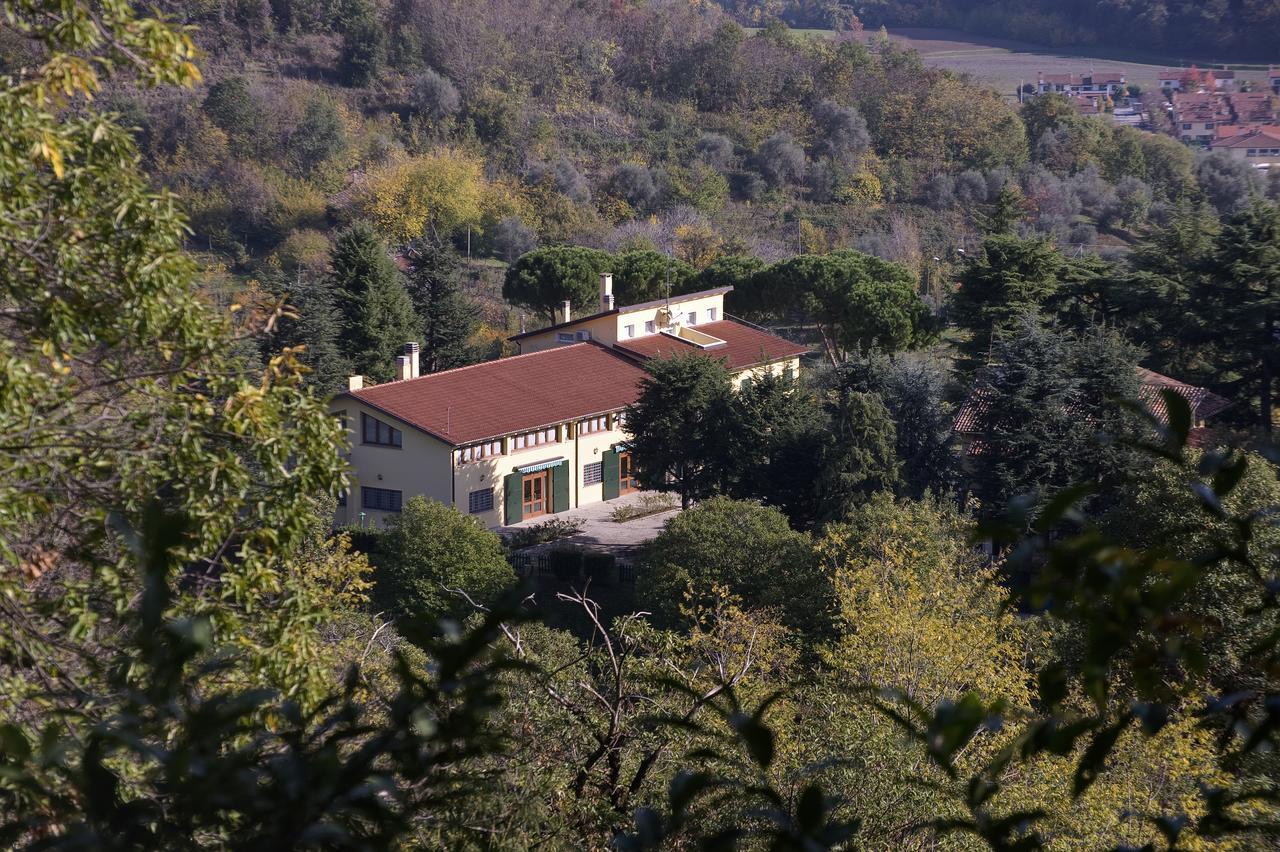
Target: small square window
(650,327)
(584,335)
(711,314)
(630,330)
(480,501)
(593,474)
(693,317)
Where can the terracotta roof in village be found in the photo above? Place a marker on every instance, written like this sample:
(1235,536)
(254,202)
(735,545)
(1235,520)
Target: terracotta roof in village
(520,393)
(1252,107)
(1234,136)
(743,346)
(1199,107)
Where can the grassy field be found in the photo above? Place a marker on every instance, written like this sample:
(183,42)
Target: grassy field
(1004,64)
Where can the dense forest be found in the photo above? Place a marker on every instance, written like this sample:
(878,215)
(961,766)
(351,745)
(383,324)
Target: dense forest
(865,630)
(1238,30)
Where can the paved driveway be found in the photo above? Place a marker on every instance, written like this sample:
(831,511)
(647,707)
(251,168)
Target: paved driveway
(600,531)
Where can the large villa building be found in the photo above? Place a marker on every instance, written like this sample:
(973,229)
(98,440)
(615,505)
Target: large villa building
(542,431)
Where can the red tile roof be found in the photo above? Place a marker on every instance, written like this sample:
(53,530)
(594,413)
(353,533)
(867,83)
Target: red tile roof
(1205,107)
(1204,403)
(1248,137)
(743,346)
(516,394)
(1252,107)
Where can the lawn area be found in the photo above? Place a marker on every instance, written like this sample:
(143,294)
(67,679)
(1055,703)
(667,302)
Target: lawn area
(1004,64)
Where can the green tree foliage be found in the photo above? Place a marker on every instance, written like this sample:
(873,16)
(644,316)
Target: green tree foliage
(914,391)
(377,314)
(733,270)
(858,458)
(448,318)
(1009,278)
(315,326)
(858,301)
(364,49)
(432,558)
(1161,513)
(739,548)
(781,440)
(1240,303)
(544,278)
(642,276)
(231,106)
(319,136)
(1049,415)
(677,426)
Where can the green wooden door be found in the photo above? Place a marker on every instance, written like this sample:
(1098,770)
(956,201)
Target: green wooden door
(514,513)
(611,474)
(560,487)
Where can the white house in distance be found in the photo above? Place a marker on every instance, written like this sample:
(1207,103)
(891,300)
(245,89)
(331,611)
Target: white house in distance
(540,432)
(1094,84)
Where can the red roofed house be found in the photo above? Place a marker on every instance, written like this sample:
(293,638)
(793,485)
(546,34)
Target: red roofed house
(1195,116)
(540,432)
(1094,84)
(1257,146)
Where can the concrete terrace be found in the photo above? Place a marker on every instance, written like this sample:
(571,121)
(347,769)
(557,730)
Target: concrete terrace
(600,531)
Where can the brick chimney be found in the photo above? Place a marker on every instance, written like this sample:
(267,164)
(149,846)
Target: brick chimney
(566,310)
(355,383)
(606,291)
(403,368)
(411,352)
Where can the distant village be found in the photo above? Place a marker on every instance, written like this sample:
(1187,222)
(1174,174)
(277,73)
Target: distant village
(1208,108)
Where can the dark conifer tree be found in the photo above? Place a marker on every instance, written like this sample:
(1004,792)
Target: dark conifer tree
(1240,298)
(377,317)
(317,326)
(447,316)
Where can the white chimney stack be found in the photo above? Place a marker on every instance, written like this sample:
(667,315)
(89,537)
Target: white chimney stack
(411,352)
(403,368)
(606,291)
(355,383)
(566,308)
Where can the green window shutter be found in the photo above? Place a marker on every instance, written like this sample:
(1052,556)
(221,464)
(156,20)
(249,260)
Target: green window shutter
(560,487)
(612,471)
(515,508)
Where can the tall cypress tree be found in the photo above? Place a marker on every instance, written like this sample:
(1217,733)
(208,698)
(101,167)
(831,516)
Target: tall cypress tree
(1241,294)
(447,316)
(377,316)
(317,326)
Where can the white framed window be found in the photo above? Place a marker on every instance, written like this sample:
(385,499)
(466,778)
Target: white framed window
(630,330)
(594,424)
(480,501)
(584,335)
(564,337)
(650,327)
(711,314)
(693,318)
(480,451)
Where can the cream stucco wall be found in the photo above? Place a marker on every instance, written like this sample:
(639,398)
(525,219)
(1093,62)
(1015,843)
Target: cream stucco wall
(603,330)
(612,328)
(776,368)
(423,465)
(420,465)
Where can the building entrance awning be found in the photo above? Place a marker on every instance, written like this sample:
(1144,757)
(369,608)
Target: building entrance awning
(542,465)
